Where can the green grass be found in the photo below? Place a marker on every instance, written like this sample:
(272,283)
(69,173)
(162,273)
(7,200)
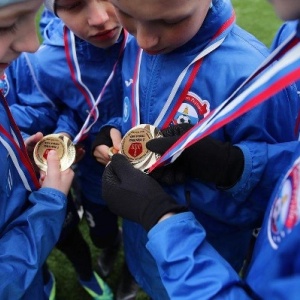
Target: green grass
(257,17)
(67,285)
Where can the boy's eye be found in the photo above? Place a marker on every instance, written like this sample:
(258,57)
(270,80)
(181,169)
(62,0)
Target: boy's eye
(68,7)
(9,29)
(175,21)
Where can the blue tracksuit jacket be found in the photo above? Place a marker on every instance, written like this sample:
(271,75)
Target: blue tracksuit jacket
(285,30)
(30,225)
(282,34)
(190,267)
(227,215)
(56,104)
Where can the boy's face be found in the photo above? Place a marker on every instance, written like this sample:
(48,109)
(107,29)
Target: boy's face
(93,21)
(287,9)
(161,26)
(17,31)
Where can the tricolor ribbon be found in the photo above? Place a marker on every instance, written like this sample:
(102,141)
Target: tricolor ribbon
(70,49)
(71,56)
(183,82)
(13,142)
(279,75)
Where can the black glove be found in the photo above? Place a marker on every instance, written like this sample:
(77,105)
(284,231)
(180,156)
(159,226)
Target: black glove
(208,159)
(102,138)
(172,173)
(133,195)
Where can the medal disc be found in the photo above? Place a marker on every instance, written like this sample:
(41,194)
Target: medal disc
(63,145)
(133,146)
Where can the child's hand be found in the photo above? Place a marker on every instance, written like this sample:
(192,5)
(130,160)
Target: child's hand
(30,144)
(208,159)
(54,178)
(108,137)
(133,195)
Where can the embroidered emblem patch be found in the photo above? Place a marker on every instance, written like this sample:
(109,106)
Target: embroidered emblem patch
(192,110)
(126,110)
(4,85)
(285,212)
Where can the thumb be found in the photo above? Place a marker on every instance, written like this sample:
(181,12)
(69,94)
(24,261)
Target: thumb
(33,139)
(53,164)
(161,145)
(178,129)
(116,138)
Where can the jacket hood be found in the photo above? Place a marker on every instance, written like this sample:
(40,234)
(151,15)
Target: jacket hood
(53,33)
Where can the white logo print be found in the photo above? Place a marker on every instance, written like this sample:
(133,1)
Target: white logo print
(128,82)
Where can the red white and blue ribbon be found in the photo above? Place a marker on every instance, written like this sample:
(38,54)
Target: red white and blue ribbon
(71,55)
(183,82)
(13,142)
(274,76)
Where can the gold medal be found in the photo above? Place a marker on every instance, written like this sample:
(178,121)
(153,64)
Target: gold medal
(63,145)
(133,146)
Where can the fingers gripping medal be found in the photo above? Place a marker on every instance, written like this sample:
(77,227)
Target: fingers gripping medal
(63,145)
(133,146)
(112,151)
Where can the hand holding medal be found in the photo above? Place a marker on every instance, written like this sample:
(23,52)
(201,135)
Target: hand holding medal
(133,146)
(63,145)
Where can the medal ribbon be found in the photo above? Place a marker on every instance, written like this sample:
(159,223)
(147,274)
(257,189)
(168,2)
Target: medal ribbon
(278,76)
(177,92)
(135,97)
(13,142)
(71,55)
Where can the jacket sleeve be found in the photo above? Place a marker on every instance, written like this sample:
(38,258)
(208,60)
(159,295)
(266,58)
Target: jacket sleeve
(69,122)
(31,108)
(28,239)
(283,33)
(189,267)
(115,122)
(257,134)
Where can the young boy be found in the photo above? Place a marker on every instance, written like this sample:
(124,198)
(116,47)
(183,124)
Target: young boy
(19,81)
(31,216)
(190,268)
(83,46)
(194,56)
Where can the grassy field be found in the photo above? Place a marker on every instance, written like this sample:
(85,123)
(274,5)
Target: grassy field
(257,17)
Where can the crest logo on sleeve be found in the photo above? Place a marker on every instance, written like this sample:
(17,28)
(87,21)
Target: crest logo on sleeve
(285,212)
(126,111)
(4,85)
(192,110)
